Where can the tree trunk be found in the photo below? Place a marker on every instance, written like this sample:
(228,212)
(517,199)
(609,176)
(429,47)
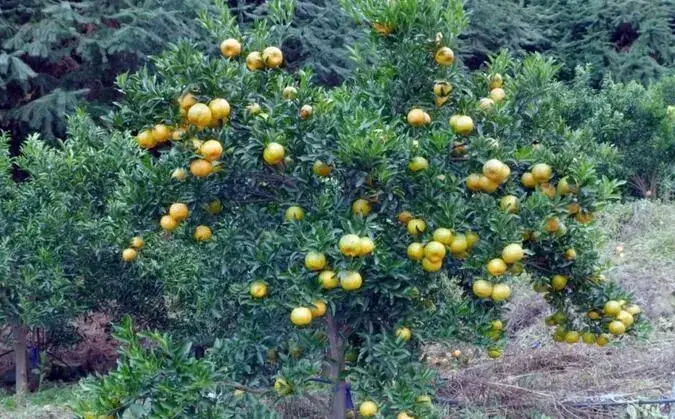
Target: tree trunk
(21,369)
(337,363)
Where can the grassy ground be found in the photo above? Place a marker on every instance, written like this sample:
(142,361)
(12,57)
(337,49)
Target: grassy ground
(536,377)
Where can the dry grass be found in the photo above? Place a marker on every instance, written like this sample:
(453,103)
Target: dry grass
(537,375)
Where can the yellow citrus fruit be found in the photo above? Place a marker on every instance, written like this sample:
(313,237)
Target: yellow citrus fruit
(616,327)
(492,169)
(459,244)
(254,61)
(612,308)
(513,253)
(403,333)
(368,409)
(315,261)
(160,133)
(442,88)
(509,203)
(129,255)
(178,134)
(593,315)
(434,251)
(201,167)
(199,115)
(602,340)
(496,81)
(168,223)
(443,235)
(272,57)
(361,207)
(415,251)
(202,233)
(542,172)
(416,117)
(367,246)
(258,289)
(179,174)
(564,187)
(220,108)
(528,180)
(274,153)
(305,112)
(626,318)
(416,226)
(570,254)
(439,101)
(321,169)
(588,338)
(211,150)
(471,238)
(351,281)
(444,56)
(464,125)
(186,101)
(230,48)
(145,139)
(500,292)
(633,309)
(328,280)
(487,185)
(552,225)
(289,93)
(318,308)
(473,182)
(179,211)
(572,337)
(350,245)
(497,94)
(417,164)
(486,103)
(496,267)
(558,282)
(301,316)
(432,265)
(294,213)
(137,242)
(405,216)
(482,288)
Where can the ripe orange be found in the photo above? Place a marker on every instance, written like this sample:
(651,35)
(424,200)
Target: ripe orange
(444,56)
(471,239)
(168,223)
(367,246)
(528,180)
(145,139)
(497,94)
(160,133)
(626,318)
(301,316)
(500,292)
(542,172)
(496,267)
(558,282)
(211,150)
(612,308)
(230,48)
(588,338)
(509,203)
(368,409)
(201,167)
(350,245)
(552,225)
(351,281)
(417,164)
(482,288)
(416,226)
(493,170)
(570,254)
(634,309)
(199,115)
(403,333)
(254,61)
(274,153)
(584,217)
(305,112)
(495,81)
(415,251)
(289,93)
(616,327)
(602,340)
(459,244)
(431,265)
(416,117)
(129,255)
(486,103)
(488,185)
(258,289)
(186,101)
(473,182)
(202,233)
(593,315)
(318,308)
(404,217)
(137,242)
(321,169)
(294,213)
(179,211)
(513,253)
(564,187)
(328,280)
(442,88)
(273,57)
(361,207)
(220,108)
(464,125)
(572,337)
(434,251)
(443,235)
(315,261)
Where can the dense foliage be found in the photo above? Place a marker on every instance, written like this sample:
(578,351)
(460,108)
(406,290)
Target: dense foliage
(303,233)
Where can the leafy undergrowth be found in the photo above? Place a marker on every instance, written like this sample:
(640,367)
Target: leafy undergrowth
(537,376)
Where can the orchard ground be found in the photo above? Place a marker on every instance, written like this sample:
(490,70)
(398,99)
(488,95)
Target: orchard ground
(536,374)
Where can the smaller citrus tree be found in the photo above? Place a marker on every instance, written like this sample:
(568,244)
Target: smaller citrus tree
(316,240)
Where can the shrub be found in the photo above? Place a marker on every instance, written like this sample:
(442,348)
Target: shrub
(332,233)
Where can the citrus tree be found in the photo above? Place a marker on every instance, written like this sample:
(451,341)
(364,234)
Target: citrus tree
(317,239)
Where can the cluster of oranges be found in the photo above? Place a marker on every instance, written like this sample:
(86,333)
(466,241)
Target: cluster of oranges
(496,93)
(178,212)
(494,174)
(131,253)
(512,254)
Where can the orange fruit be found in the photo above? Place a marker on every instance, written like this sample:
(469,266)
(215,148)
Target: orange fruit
(328,280)
(616,327)
(367,409)
(367,246)
(168,223)
(444,56)
(258,289)
(274,153)
(179,211)
(220,108)
(145,139)
(417,164)
(160,133)
(487,185)
(403,333)
(612,308)
(443,235)
(434,251)
(137,242)
(186,101)
(254,61)
(272,57)
(129,255)
(473,182)
(294,213)
(201,167)
(404,217)
(211,150)
(315,261)
(493,170)
(305,112)
(496,267)
(497,94)
(321,169)
(570,254)
(318,308)
(415,251)
(496,81)
(230,48)
(542,172)
(464,125)
(486,103)
(199,115)
(558,282)
(350,245)
(351,281)
(500,292)
(482,288)
(416,226)
(431,265)
(301,316)
(442,88)
(459,245)
(528,180)
(416,117)
(513,253)
(509,203)
(289,93)
(202,233)
(361,207)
